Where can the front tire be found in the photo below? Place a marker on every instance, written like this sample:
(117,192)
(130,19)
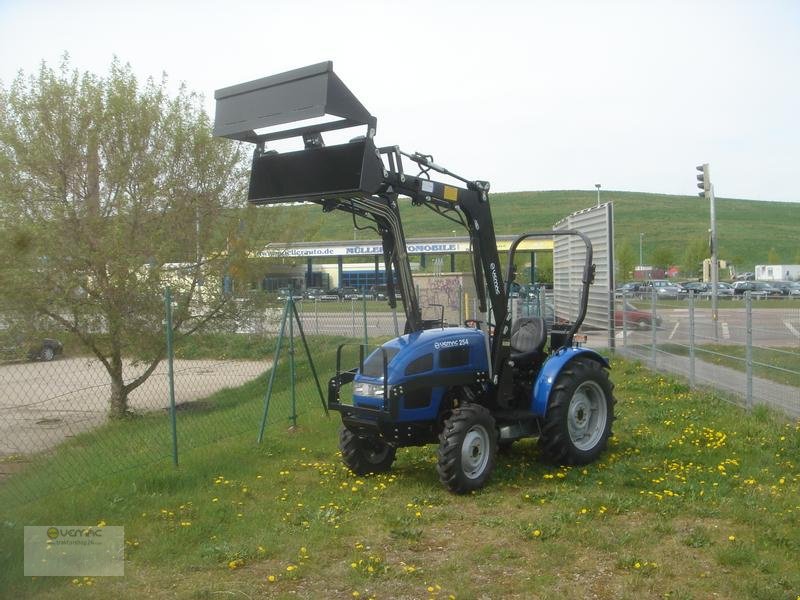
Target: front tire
(579,416)
(467,449)
(365,455)
(47,354)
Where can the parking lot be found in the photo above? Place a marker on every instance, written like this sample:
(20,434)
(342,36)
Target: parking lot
(45,403)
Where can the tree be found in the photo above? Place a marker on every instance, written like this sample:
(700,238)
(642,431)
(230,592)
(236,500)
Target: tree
(692,261)
(662,257)
(626,260)
(104,186)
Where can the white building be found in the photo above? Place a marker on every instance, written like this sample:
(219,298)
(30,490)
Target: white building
(777,272)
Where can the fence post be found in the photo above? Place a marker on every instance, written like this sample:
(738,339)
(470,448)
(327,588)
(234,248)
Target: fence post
(171,374)
(290,311)
(543,304)
(653,329)
(748,299)
(364,304)
(461,317)
(612,322)
(624,320)
(692,380)
(316,314)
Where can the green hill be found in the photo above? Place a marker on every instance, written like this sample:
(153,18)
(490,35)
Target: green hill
(747,229)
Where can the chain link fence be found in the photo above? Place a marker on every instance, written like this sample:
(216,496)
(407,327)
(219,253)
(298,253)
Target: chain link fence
(54,403)
(55,395)
(749,350)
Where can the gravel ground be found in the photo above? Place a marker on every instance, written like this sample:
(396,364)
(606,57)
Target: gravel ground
(42,404)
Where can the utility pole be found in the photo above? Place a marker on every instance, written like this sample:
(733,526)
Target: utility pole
(704,183)
(597,185)
(641,254)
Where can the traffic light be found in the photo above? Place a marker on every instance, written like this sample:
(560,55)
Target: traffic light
(703,180)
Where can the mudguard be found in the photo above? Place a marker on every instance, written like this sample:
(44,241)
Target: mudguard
(549,373)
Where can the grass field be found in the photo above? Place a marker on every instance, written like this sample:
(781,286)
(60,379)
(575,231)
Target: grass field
(776,364)
(694,499)
(746,229)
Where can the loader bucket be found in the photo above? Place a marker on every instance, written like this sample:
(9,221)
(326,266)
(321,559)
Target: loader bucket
(327,172)
(315,100)
(290,97)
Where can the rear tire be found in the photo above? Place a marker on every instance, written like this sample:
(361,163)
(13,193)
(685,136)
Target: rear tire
(467,449)
(47,354)
(365,455)
(579,415)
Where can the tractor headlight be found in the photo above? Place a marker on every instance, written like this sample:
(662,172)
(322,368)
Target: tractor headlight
(372,390)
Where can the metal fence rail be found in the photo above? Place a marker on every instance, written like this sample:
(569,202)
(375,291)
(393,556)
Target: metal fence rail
(750,352)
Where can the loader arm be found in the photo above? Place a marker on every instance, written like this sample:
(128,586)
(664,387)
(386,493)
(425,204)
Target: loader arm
(356,177)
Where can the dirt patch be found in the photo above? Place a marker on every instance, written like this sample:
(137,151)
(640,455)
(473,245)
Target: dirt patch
(42,404)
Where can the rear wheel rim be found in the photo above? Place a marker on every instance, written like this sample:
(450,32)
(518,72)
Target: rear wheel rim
(475,451)
(587,415)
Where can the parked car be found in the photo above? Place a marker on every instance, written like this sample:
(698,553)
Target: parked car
(313,293)
(757,289)
(628,288)
(794,289)
(785,287)
(345,293)
(381,292)
(15,348)
(703,288)
(698,287)
(285,292)
(329,295)
(665,289)
(632,317)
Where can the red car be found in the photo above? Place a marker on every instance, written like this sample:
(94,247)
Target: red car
(633,318)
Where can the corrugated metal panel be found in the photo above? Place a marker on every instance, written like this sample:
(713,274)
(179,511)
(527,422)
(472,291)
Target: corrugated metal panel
(568,255)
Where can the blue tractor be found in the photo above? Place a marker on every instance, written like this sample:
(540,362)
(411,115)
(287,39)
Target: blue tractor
(472,389)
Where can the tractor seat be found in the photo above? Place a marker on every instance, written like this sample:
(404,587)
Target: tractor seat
(528,337)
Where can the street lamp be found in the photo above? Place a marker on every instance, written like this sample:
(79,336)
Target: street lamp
(597,185)
(641,259)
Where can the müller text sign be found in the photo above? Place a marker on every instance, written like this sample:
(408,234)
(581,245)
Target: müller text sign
(372,248)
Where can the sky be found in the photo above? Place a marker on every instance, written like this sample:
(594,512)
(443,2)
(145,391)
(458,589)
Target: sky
(529,95)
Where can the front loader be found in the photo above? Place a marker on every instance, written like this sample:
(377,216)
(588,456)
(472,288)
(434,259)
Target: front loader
(473,389)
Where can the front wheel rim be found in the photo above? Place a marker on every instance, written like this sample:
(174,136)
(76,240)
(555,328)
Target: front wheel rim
(475,451)
(588,413)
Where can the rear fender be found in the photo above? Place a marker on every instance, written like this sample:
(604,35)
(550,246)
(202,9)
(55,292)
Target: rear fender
(550,371)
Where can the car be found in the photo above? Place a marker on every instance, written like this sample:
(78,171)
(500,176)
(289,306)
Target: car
(349,293)
(381,292)
(313,293)
(665,289)
(703,288)
(794,289)
(15,348)
(757,289)
(342,293)
(698,287)
(785,287)
(628,288)
(629,316)
(285,292)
